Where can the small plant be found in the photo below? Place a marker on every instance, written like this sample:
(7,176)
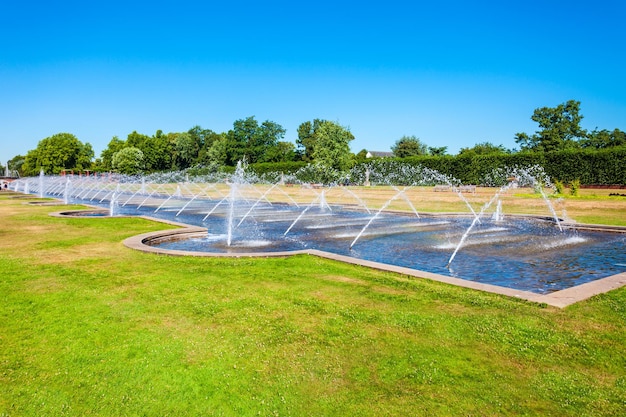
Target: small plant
(558,187)
(574,187)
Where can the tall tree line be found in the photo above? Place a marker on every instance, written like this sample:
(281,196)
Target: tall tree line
(318,141)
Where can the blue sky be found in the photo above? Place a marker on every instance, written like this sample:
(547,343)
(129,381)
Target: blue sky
(451,73)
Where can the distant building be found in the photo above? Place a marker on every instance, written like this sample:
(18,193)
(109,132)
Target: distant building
(377,154)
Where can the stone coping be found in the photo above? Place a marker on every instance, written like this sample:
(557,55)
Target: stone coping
(560,299)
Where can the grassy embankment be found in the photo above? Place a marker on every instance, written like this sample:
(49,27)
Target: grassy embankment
(88,327)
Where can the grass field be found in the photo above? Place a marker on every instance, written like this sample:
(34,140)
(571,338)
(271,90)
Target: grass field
(91,328)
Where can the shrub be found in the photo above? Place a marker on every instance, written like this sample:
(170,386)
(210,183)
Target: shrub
(574,187)
(558,187)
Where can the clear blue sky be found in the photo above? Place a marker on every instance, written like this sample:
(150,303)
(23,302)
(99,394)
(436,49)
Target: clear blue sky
(452,73)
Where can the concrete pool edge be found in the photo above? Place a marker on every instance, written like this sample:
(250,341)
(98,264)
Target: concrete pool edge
(560,299)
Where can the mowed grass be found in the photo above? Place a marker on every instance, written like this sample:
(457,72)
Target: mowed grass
(91,328)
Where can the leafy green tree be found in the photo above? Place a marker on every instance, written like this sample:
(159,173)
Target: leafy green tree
(136,140)
(129,161)
(282,152)
(559,128)
(157,152)
(217,153)
(58,152)
(247,140)
(199,136)
(307,136)
(484,148)
(115,145)
(208,139)
(187,149)
(437,151)
(602,139)
(16,164)
(409,146)
(332,146)
(361,156)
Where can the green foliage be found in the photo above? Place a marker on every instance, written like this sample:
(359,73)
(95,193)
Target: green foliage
(115,145)
(128,161)
(574,187)
(602,139)
(290,167)
(604,167)
(307,137)
(484,148)
(282,152)
(558,187)
(559,128)
(253,142)
(16,164)
(409,146)
(437,150)
(186,149)
(332,147)
(58,152)
(157,153)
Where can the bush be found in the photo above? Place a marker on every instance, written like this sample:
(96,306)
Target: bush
(574,187)
(558,187)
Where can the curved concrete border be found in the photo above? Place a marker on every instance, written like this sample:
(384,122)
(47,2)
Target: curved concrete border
(558,299)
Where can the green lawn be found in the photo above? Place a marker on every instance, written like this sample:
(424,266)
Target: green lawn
(91,328)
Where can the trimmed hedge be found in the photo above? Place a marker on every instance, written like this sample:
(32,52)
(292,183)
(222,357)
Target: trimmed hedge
(600,167)
(604,167)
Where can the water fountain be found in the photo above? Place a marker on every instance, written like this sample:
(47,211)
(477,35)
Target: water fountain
(240,216)
(497,215)
(41,190)
(67,191)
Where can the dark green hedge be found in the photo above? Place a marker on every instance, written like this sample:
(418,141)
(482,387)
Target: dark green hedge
(284,167)
(605,167)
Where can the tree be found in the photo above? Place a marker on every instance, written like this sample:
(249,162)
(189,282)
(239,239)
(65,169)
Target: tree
(559,128)
(437,151)
(409,146)
(186,150)
(282,152)
(157,152)
(484,148)
(250,141)
(115,145)
(208,138)
(128,161)
(332,146)
(16,164)
(136,139)
(307,136)
(58,152)
(218,152)
(361,156)
(604,139)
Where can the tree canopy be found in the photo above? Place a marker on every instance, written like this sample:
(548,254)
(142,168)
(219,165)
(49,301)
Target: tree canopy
(129,160)
(409,146)
(318,141)
(56,153)
(307,136)
(483,148)
(332,146)
(251,141)
(559,128)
